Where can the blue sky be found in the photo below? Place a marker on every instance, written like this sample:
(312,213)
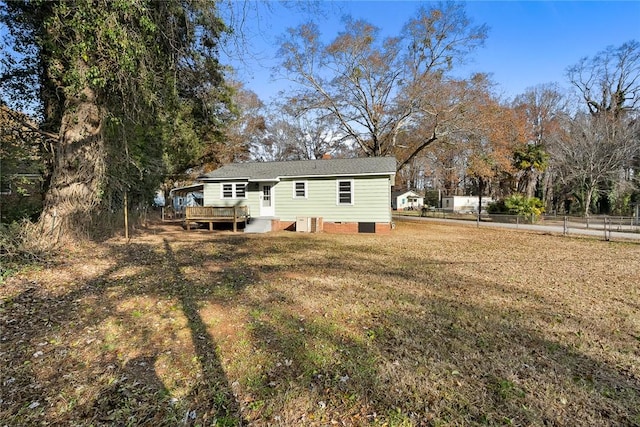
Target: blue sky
(529,43)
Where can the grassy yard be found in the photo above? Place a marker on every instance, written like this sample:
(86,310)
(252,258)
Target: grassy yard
(433,325)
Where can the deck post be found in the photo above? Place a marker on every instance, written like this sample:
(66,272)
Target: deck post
(235,218)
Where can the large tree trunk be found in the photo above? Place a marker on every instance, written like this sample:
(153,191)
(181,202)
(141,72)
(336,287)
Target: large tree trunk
(530,185)
(78,169)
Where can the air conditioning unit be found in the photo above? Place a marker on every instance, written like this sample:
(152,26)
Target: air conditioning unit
(303,224)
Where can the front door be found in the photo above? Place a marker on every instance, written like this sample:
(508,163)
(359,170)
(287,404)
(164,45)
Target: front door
(266,200)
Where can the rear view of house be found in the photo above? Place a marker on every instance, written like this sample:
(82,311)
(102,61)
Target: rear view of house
(334,195)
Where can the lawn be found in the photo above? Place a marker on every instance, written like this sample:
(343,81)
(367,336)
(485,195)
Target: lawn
(433,325)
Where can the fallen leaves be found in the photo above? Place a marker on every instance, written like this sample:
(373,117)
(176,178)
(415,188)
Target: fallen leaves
(431,324)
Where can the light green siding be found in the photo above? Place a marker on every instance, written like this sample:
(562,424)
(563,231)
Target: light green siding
(371,200)
(212,197)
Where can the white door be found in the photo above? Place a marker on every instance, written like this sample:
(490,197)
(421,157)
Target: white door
(266,200)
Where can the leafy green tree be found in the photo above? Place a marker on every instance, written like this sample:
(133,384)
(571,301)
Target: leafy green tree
(120,86)
(531,160)
(540,107)
(518,204)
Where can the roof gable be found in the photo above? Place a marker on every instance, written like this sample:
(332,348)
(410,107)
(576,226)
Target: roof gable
(274,171)
(405,193)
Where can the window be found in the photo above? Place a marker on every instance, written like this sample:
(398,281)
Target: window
(345,192)
(227,191)
(300,189)
(236,190)
(241,190)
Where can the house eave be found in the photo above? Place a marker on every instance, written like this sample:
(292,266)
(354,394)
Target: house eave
(338,175)
(186,189)
(265,179)
(305,176)
(213,179)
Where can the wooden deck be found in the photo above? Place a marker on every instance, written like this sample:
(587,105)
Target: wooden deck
(211,214)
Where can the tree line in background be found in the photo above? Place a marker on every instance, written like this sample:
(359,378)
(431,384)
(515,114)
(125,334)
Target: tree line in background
(128,96)
(359,95)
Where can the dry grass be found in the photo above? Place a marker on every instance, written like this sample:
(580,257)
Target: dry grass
(433,325)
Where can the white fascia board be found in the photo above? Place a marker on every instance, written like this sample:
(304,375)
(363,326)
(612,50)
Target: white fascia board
(279,178)
(186,188)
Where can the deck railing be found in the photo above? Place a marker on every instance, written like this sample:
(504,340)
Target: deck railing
(211,214)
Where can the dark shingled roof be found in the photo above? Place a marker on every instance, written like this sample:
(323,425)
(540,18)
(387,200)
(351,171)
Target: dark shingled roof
(262,171)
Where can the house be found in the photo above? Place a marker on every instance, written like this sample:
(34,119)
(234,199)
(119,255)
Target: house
(464,204)
(179,199)
(334,195)
(406,200)
(186,196)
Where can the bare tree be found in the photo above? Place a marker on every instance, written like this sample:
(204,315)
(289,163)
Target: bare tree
(590,151)
(376,90)
(291,135)
(610,81)
(609,84)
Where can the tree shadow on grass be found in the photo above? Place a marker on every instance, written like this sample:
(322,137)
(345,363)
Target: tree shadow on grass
(424,356)
(409,356)
(212,398)
(61,367)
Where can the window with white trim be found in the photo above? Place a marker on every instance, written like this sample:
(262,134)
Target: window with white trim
(345,192)
(299,189)
(233,190)
(241,191)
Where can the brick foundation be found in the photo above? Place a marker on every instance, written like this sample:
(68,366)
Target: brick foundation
(341,228)
(277,225)
(330,227)
(383,228)
(352,228)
